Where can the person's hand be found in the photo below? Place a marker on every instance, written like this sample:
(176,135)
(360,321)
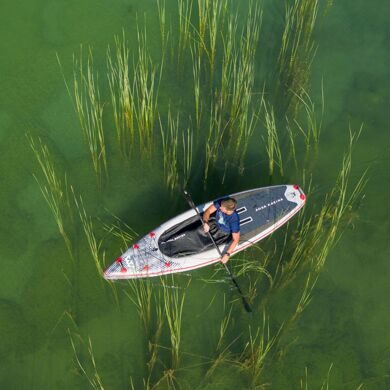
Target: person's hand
(206,227)
(225,258)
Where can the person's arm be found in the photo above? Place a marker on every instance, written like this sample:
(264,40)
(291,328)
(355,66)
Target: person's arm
(233,244)
(206,216)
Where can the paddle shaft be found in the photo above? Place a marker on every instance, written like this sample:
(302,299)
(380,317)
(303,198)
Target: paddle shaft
(192,204)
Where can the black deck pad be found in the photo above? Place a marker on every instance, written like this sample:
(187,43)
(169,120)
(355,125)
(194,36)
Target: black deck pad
(188,238)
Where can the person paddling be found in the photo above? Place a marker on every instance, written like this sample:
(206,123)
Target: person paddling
(226,223)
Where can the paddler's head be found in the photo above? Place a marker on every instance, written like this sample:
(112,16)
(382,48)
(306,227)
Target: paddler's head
(228,205)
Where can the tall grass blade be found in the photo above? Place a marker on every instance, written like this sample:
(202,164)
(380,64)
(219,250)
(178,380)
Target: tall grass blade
(89,109)
(122,95)
(55,191)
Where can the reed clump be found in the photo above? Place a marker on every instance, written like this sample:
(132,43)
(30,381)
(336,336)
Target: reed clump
(170,135)
(88,227)
(317,234)
(177,157)
(90,373)
(89,109)
(223,354)
(147,77)
(185,34)
(120,229)
(325,384)
(239,91)
(297,50)
(173,304)
(257,349)
(196,71)
(233,110)
(215,136)
(150,310)
(310,130)
(55,191)
(163,26)
(141,295)
(272,143)
(122,95)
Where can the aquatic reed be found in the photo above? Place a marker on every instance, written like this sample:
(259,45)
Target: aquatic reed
(216,130)
(272,141)
(141,295)
(312,130)
(340,201)
(150,310)
(93,243)
(257,349)
(196,69)
(170,151)
(203,20)
(237,84)
(93,377)
(121,91)
(174,303)
(55,191)
(185,12)
(154,337)
(146,85)
(177,157)
(121,230)
(325,383)
(163,28)
(228,60)
(244,62)
(251,266)
(223,355)
(188,143)
(317,234)
(215,19)
(297,49)
(305,297)
(89,108)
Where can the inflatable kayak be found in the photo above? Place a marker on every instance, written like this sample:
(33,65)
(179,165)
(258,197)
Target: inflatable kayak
(261,212)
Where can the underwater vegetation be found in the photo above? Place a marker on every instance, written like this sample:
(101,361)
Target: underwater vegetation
(221,116)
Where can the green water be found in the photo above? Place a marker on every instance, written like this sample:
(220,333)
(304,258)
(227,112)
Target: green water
(46,300)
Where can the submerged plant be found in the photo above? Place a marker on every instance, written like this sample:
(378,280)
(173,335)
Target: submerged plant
(185,11)
(272,142)
(146,84)
(163,28)
(223,354)
(122,95)
(196,70)
(312,129)
(170,151)
(177,157)
(93,377)
(317,234)
(173,303)
(297,49)
(93,243)
(150,310)
(257,349)
(216,131)
(121,230)
(89,109)
(55,191)
(141,295)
